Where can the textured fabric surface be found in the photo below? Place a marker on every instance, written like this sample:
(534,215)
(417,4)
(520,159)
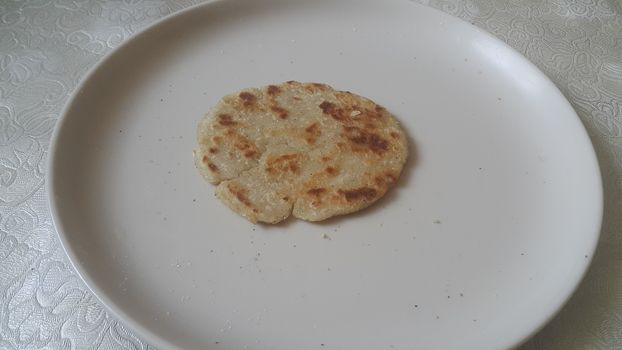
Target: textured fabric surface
(46,46)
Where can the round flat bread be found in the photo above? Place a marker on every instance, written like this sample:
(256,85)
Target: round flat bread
(301,148)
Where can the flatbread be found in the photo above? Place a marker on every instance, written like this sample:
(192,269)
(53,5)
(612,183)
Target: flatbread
(299,148)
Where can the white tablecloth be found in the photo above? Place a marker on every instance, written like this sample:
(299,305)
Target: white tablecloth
(46,46)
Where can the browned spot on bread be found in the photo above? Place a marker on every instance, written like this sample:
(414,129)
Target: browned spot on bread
(243,145)
(319,86)
(286,198)
(316,191)
(312,128)
(351,114)
(226,120)
(328,108)
(292,82)
(217,140)
(376,114)
(213,150)
(362,193)
(240,194)
(395,135)
(297,98)
(273,90)
(376,143)
(345,97)
(331,171)
(281,112)
(379,181)
(385,180)
(325,158)
(392,178)
(209,164)
(248,99)
(368,140)
(212,166)
(283,164)
(312,132)
(284,157)
(353,110)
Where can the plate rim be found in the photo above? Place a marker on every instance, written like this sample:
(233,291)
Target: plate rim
(160,342)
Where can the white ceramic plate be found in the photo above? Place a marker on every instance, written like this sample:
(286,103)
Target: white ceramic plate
(488,232)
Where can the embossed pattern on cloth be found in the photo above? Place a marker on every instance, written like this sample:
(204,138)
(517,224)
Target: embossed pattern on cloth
(46,47)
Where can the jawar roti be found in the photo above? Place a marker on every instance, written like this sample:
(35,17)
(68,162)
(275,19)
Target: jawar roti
(301,149)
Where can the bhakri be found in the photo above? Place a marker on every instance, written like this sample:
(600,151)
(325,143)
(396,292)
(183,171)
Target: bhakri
(302,149)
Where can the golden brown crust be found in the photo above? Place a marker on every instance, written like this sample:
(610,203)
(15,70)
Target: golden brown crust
(248,99)
(280,111)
